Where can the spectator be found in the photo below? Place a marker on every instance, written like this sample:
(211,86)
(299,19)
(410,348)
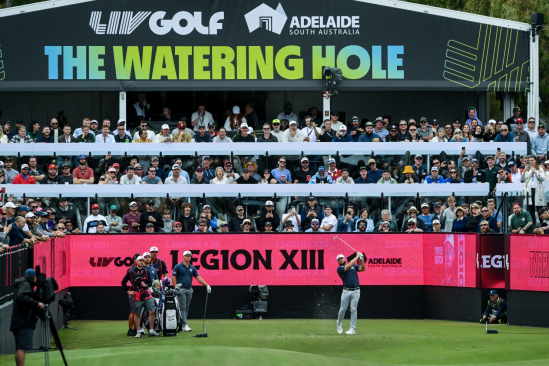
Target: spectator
(379,129)
(267,136)
(167,222)
(109,178)
(65,212)
(474,175)
(329,222)
(385,227)
(86,136)
(105,137)
(327,134)
(90,224)
(287,112)
(521,221)
(277,132)
(22,137)
(434,177)
(426,217)
(235,120)
(133,218)
(246,226)
(33,131)
(52,177)
(501,161)
(533,176)
(268,178)
(425,132)
(492,207)
(66,137)
(219,176)
(151,177)
(364,179)
(408,176)
(504,135)
(321,177)
(315,227)
(420,170)
(114,221)
(78,131)
(3,137)
(151,215)
(130,177)
(364,217)
(466,131)
(348,223)
(181,135)
(268,215)
(252,168)
(334,121)
(292,216)
(304,174)
(222,136)
(230,174)
(472,113)
(332,170)
(8,132)
(292,134)
(386,178)
(393,134)
(142,138)
(342,135)
(202,136)
(176,177)
(141,109)
(412,227)
(521,135)
(223,227)
(543,228)
(121,134)
(246,178)
(164,136)
(403,133)
(369,135)
(198,177)
(532,131)
(437,227)
(413,214)
(414,137)
(486,217)
(187,220)
(201,117)
(355,130)
(24,177)
(281,174)
(345,179)
(311,211)
(511,122)
(540,145)
(491,173)
(143,126)
(310,132)
(46,136)
(236,221)
(474,219)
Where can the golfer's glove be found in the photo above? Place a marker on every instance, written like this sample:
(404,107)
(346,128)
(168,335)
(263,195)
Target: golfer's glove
(362,257)
(209,289)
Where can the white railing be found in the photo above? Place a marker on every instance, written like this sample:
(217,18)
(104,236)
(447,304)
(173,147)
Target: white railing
(259,148)
(258,190)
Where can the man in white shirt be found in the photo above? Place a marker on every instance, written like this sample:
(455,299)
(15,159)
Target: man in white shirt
(292,134)
(164,135)
(144,126)
(222,136)
(276,132)
(106,122)
(105,137)
(334,118)
(201,117)
(310,132)
(130,177)
(532,130)
(287,112)
(329,222)
(176,177)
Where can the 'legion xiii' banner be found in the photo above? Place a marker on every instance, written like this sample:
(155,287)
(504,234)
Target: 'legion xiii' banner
(245,44)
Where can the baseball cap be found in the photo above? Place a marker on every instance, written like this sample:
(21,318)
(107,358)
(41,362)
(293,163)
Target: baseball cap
(516,109)
(423,119)
(436,222)
(342,128)
(176,166)
(424,205)
(512,163)
(52,166)
(246,221)
(268,223)
(245,170)
(466,158)
(311,198)
(135,256)
(30,214)
(371,161)
(153,249)
(206,157)
(181,124)
(379,119)
(24,166)
(187,252)
(82,156)
(183,119)
(95,205)
(419,156)
(288,223)
(140,258)
(113,207)
(146,254)
(133,203)
(199,169)
(116,165)
(94,121)
(363,168)
(236,109)
(177,223)
(492,122)
(150,202)
(493,292)
(206,206)
(304,159)
(292,123)
(541,126)
(474,161)
(123,225)
(339,256)
(244,125)
(111,169)
(434,168)
(165,126)
(42,213)
(276,121)
(412,220)
(211,124)
(228,162)
(369,124)
(30,272)
(269,203)
(438,204)
(315,220)
(331,160)
(393,127)
(24,208)
(321,169)
(154,158)
(149,224)
(239,207)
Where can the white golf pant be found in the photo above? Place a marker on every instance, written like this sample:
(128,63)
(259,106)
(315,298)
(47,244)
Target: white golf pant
(348,298)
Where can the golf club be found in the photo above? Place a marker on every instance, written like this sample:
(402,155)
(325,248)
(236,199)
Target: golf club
(337,237)
(204,328)
(491,331)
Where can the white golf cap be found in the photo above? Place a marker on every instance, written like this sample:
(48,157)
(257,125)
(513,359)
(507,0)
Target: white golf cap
(243,125)
(187,252)
(424,205)
(30,214)
(436,222)
(133,203)
(140,258)
(146,254)
(236,109)
(121,120)
(24,166)
(492,122)
(342,128)
(10,205)
(269,203)
(292,123)
(153,249)
(339,256)
(165,126)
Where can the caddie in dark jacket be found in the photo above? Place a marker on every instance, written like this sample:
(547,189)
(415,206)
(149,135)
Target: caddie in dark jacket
(25,313)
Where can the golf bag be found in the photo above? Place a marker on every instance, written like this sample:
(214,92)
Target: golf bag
(168,312)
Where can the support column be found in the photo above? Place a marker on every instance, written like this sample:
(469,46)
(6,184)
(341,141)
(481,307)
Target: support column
(325,105)
(122,106)
(533,93)
(507,105)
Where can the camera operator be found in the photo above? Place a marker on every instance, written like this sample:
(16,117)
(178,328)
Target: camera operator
(25,313)
(140,280)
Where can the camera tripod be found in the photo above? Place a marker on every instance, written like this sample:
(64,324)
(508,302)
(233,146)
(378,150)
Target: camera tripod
(66,317)
(48,331)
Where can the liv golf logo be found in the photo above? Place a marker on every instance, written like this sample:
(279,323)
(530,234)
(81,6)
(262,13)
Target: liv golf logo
(273,20)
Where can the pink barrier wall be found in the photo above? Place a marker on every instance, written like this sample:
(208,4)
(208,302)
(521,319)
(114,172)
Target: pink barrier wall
(529,262)
(53,258)
(280,259)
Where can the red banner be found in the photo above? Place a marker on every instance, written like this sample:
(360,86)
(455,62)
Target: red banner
(529,267)
(450,260)
(492,261)
(53,257)
(277,259)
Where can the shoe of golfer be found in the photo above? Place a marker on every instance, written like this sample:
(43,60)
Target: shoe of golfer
(339,329)
(187,329)
(138,335)
(153,333)
(350,331)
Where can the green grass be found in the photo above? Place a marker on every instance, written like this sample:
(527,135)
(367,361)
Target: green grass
(304,342)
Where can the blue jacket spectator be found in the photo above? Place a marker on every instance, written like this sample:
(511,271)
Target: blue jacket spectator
(369,138)
(459,225)
(472,114)
(540,144)
(345,138)
(349,226)
(492,224)
(508,137)
(430,179)
(321,177)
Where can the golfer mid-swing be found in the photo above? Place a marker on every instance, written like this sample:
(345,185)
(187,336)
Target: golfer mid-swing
(351,289)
